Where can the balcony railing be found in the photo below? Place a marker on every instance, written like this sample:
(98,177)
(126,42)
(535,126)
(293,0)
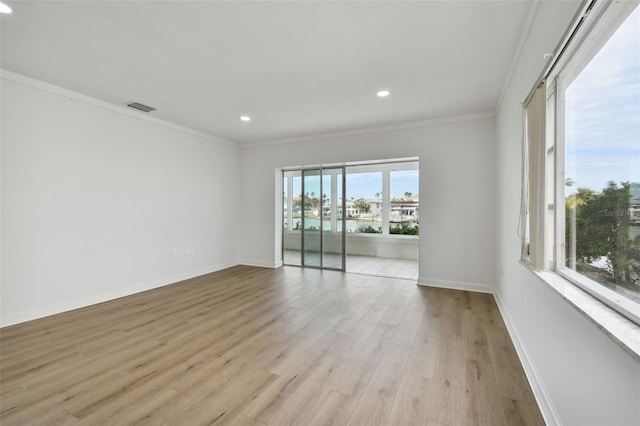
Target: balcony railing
(362,244)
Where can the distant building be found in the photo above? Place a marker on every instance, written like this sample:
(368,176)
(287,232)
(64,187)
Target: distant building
(634,204)
(401,209)
(404,209)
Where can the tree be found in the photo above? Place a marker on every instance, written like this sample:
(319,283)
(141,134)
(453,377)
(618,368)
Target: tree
(588,249)
(310,200)
(362,205)
(612,208)
(314,200)
(326,207)
(602,230)
(408,196)
(589,241)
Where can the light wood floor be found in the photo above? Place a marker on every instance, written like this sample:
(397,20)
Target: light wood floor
(253,346)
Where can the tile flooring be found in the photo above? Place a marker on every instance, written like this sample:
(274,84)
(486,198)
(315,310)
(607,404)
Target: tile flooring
(383,267)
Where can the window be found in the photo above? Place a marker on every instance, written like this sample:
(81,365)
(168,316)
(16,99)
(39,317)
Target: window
(334,211)
(602,164)
(581,217)
(292,201)
(404,205)
(380,199)
(383,199)
(364,195)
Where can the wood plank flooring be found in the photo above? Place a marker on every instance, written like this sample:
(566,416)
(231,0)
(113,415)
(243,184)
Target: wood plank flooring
(253,346)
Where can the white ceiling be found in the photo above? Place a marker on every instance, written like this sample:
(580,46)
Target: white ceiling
(298,68)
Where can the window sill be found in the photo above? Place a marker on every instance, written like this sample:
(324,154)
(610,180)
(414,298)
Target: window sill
(398,237)
(624,332)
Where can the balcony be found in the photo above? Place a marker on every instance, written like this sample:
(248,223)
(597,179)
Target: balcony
(368,254)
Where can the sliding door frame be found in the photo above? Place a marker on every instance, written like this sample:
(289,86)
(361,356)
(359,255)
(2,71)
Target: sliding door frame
(343,220)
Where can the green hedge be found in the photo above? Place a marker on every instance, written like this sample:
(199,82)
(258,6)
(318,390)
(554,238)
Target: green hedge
(404,229)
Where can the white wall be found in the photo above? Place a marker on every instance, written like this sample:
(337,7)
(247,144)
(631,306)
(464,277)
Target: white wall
(457,209)
(94,200)
(586,377)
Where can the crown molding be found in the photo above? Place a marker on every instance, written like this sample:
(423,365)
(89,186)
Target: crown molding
(526,30)
(119,109)
(370,130)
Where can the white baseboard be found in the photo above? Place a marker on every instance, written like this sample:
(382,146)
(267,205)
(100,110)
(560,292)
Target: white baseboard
(544,401)
(456,285)
(549,412)
(83,302)
(261,263)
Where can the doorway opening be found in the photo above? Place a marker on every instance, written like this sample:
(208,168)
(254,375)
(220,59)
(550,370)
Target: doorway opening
(361,218)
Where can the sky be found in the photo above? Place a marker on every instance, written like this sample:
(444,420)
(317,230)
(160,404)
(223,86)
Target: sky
(366,185)
(602,133)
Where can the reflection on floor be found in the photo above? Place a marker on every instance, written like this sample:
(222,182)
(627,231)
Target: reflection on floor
(365,265)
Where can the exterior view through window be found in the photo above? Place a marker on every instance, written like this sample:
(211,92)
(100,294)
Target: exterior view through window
(404,214)
(364,203)
(367,200)
(359,218)
(602,165)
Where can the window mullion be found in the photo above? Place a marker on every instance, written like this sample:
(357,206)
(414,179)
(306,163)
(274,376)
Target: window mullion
(385,201)
(560,181)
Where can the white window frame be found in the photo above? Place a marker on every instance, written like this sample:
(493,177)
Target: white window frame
(602,20)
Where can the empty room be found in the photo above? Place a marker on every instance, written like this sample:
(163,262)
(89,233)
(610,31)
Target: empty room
(320,212)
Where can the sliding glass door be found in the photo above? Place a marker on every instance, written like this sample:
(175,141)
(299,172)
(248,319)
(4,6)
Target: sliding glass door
(333,237)
(313,223)
(311,218)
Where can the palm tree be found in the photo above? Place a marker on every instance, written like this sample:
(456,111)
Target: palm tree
(313,200)
(378,195)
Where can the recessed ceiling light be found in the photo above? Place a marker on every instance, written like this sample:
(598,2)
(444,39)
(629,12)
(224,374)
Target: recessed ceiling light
(245,118)
(4,8)
(383,93)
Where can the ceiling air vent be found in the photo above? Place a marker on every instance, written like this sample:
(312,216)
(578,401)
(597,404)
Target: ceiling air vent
(140,107)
